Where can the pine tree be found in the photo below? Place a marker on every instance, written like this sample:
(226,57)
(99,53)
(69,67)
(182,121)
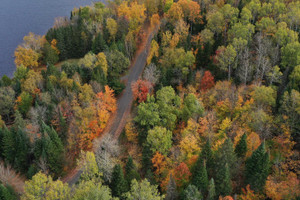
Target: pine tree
(257,168)
(192,193)
(241,147)
(1,141)
(50,148)
(223,182)
(171,189)
(200,177)
(7,193)
(211,190)
(8,146)
(22,145)
(207,156)
(98,44)
(130,170)
(118,184)
(54,151)
(225,155)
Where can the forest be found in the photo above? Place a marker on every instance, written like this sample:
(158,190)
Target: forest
(215,113)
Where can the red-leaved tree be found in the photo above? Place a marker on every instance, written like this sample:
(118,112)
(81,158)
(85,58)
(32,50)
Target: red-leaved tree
(207,81)
(182,175)
(140,90)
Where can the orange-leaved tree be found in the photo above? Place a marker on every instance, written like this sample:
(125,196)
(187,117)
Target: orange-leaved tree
(207,81)
(141,89)
(182,175)
(159,165)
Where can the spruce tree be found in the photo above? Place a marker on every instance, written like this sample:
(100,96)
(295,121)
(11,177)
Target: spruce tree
(131,172)
(223,182)
(257,168)
(8,146)
(171,189)
(200,177)
(241,147)
(55,151)
(22,146)
(192,193)
(99,44)
(207,155)
(211,190)
(50,148)
(1,141)
(118,184)
(225,155)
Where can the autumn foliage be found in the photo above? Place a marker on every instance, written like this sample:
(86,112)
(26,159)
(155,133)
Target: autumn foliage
(104,105)
(141,89)
(207,81)
(182,175)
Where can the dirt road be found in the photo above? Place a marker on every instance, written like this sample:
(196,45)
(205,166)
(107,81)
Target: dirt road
(117,123)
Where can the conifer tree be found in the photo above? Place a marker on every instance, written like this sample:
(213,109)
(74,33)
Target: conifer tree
(98,44)
(192,193)
(131,172)
(8,145)
(257,168)
(225,155)
(54,151)
(200,177)
(211,190)
(118,184)
(22,149)
(241,147)
(207,156)
(171,189)
(223,182)
(50,148)
(1,141)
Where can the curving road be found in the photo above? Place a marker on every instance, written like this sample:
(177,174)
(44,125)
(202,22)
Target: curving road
(117,123)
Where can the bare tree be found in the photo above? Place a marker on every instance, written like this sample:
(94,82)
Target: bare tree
(9,176)
(262,61)
(245,69)
(151,74)
(61,22)
(38,114)
(107,151)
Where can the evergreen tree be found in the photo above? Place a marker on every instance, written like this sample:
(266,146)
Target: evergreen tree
(22,149)
(241,147)
(8,146)
(211,190)
(50,148)
(223,182)
(207,156)
(99,44)
(54,151)
(171,189)
(257,168)
(131,172)
(192,193)
(1,141)
(200,177)
(63,128)
(19,122)
(225,155)
(146,158)
(50,55)
(118,184)
(7,193)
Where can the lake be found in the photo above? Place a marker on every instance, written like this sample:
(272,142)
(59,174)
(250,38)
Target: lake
(19,17)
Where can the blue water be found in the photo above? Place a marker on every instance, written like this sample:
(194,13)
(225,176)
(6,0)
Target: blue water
(19,17)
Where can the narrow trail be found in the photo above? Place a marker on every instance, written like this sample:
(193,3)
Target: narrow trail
(114,127)
(118,121)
